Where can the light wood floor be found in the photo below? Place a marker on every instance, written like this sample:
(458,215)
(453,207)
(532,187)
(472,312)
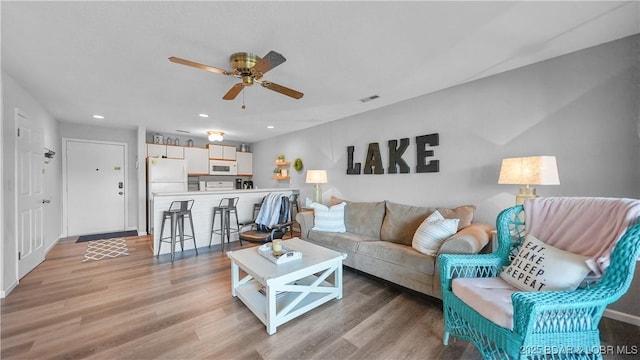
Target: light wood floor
(143,307)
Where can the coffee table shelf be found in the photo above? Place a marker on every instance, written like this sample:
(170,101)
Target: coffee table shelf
(310,282)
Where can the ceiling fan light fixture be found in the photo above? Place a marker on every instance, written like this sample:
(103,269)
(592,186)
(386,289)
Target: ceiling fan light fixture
(215,135)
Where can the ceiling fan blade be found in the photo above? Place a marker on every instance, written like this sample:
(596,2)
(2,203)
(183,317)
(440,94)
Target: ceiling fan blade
(269,61)
(178,60)
(233,92)
(282,89)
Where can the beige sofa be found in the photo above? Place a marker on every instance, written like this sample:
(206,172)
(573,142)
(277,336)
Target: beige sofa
(379,236)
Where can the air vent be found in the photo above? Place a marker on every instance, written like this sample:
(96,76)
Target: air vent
(184,131)
(367,99)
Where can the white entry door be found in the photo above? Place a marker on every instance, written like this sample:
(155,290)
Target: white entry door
(95,187)
(29,168)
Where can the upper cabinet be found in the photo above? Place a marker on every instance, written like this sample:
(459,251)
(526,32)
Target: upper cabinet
(197,160)
(222,152)
(175,152)
(245,163)
(168,151)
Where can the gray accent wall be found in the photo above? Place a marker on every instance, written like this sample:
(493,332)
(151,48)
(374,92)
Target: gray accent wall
(582,107)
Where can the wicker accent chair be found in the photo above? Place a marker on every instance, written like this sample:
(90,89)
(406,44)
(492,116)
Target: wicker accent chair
(545,324)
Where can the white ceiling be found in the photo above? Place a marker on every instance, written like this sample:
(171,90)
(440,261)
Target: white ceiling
(110,58)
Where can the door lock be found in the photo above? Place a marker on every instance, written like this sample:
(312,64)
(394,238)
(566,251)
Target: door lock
(45,201)
(120,193)
(120,185)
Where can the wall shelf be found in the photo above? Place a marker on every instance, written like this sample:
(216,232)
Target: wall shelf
(281,177)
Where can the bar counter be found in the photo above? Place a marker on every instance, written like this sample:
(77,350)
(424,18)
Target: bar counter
(202,211)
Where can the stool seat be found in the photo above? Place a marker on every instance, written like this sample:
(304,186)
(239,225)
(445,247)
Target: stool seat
(177,212)
(225,209)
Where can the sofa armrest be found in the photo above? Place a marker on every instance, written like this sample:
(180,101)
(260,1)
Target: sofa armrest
(470,240)
(305,219)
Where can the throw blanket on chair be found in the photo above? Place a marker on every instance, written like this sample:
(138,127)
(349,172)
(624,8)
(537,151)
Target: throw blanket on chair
(586,226)
(270,211)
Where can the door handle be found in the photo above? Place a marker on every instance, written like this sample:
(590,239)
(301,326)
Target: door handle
(120,193)
(46,201)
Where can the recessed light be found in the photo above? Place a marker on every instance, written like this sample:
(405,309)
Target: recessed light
(270,126)
(98,117)
(203,115)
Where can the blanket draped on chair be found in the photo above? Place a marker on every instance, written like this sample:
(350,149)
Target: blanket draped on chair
(271,211)
(601,223)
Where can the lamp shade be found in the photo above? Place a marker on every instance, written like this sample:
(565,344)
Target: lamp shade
(532,170)
(316,176)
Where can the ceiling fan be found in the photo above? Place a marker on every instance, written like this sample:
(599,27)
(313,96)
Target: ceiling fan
(248,67)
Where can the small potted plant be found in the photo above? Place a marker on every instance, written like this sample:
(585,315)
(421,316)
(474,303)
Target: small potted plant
(277,171)
(281,158)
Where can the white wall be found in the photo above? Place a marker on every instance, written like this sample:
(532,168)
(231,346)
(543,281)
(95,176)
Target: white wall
(582,108)
(14,96)
(128,136)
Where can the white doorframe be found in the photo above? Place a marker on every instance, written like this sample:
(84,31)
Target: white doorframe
(65,180)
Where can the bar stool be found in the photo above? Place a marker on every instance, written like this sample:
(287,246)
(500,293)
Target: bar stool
(178,211)
(293,200)
(225,208)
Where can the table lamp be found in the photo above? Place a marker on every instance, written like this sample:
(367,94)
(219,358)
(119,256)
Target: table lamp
(526,171)
(317,177)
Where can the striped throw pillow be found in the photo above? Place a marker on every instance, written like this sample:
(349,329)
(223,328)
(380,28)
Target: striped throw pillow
(433,231)
(330,219)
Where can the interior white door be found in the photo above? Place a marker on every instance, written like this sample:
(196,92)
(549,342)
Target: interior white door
(30,196)
(95,187)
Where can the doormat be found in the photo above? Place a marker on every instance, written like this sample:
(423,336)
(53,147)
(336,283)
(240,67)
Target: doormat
(106,249)
(111,235)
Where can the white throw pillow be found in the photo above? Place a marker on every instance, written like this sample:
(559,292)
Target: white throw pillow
(328,219)
(539,267)
(433,231)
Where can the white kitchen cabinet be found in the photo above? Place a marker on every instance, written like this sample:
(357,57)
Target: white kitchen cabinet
(229,152)
(197,160)
(222,152)
(175,152)
(156,150)
(245,163)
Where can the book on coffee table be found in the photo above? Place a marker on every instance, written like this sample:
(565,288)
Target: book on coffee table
(286,255)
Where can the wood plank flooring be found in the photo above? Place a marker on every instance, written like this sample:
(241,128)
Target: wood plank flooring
(143,307)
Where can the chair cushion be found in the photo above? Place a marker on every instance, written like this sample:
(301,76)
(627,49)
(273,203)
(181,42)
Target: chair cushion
(539,267)
(433,231)
(490,297)
(329,219)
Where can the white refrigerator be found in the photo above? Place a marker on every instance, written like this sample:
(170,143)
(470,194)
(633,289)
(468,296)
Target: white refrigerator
(164,176)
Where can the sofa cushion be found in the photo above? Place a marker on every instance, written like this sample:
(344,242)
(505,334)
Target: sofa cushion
(402,221)
(362,218)
(404,256)
(345,241)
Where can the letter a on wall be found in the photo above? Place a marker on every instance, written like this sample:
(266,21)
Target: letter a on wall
(373,165)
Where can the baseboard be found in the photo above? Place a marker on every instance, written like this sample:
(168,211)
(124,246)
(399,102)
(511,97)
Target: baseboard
(46,251)
(8,290)
(620,316)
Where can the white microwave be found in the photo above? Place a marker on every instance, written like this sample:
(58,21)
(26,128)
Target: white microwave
(223,167)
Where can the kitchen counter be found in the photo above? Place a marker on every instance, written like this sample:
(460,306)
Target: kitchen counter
(202,212)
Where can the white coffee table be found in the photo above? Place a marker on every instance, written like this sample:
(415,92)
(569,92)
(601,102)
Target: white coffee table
(306,282)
